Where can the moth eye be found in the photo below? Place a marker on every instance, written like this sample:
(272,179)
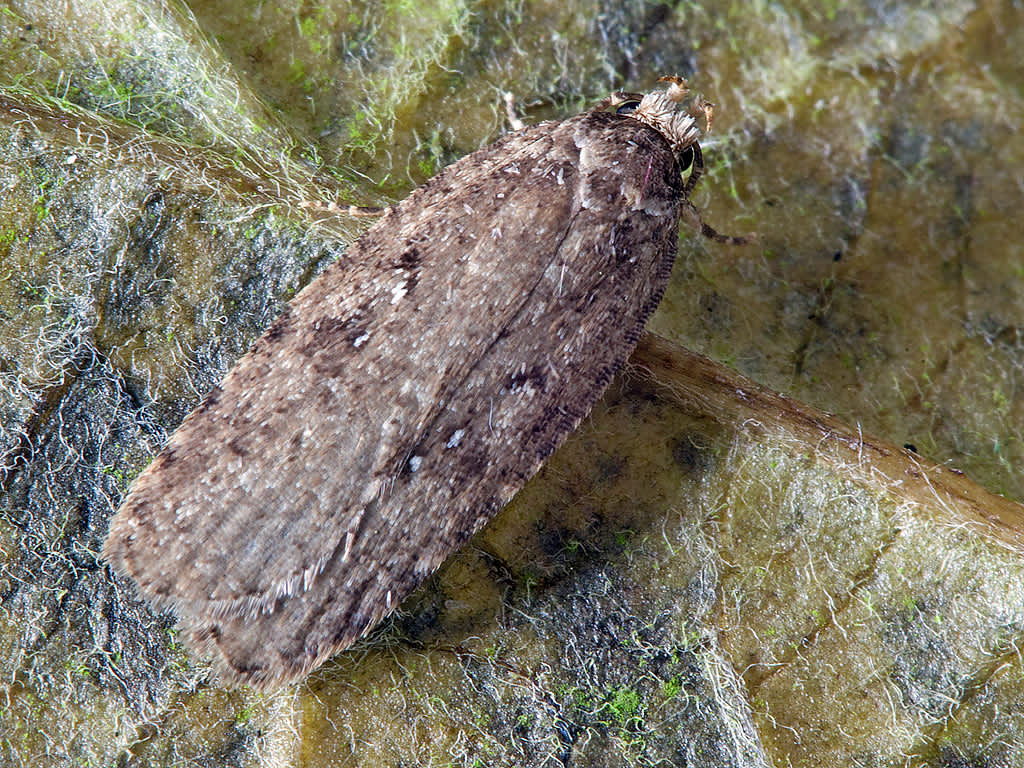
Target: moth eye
(686,158)
(627,107)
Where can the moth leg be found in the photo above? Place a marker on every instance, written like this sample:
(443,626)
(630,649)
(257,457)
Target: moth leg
(693,217)
(702,106)
(713,234)
(351,210)
(510,112)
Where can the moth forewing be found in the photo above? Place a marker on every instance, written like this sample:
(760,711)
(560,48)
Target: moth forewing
(407,393)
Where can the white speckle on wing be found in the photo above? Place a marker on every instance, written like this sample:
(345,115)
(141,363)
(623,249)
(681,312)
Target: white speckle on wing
(455,439)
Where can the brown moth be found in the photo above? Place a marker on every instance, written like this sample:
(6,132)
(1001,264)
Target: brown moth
(403,398)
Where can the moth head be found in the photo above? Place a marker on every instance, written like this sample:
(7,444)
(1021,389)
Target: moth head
(662,111)
(665,112)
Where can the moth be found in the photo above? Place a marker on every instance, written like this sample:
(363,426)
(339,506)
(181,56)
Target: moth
(405,395)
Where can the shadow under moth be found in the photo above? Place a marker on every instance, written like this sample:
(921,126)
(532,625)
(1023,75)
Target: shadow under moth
(403,397)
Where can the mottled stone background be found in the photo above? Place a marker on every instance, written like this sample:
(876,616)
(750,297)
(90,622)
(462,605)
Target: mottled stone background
(677,587)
